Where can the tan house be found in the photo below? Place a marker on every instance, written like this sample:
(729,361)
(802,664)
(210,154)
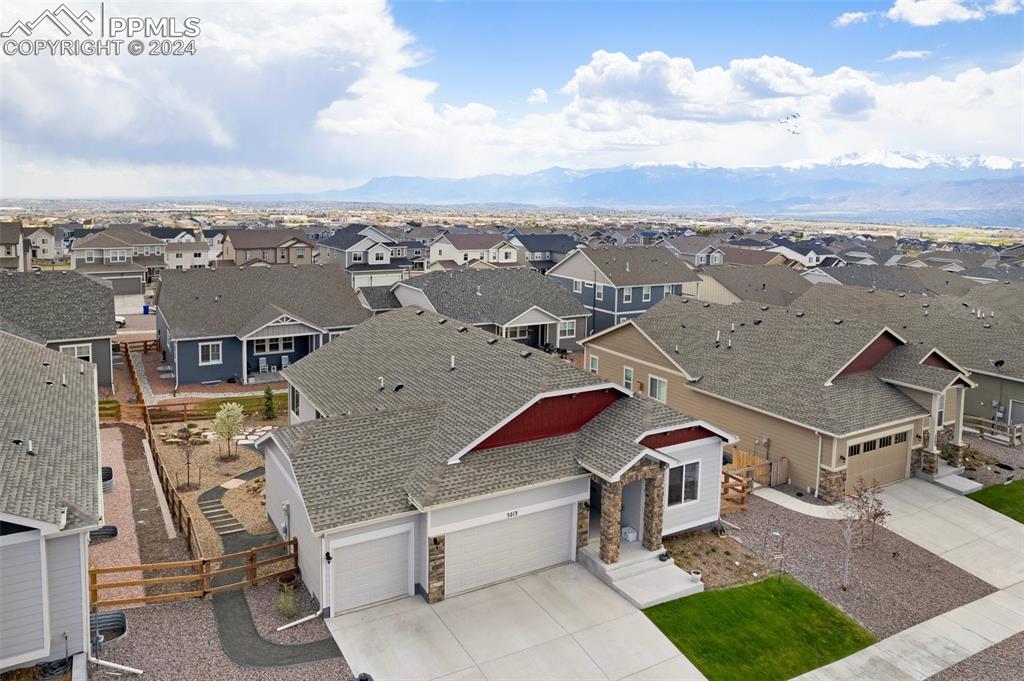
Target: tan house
(262,247)
(840,400)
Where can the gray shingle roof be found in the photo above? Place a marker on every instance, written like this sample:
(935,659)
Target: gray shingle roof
(242,239)
(379,298)
(691,245)
(556,243)
(62,423)
(465,242)
(225,302)
(48,306)
(769,284)
(10,232)
(494,296)
(639,265)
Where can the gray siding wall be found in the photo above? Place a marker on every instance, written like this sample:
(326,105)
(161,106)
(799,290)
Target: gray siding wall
(189,370)
(705,509)
(21,593)
(100,356)
(65,567)
(578,488)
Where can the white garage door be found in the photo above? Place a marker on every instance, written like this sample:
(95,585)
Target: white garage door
(371,571)
(498,551)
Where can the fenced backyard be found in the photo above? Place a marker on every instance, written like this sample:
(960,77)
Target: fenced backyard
(1004,433)
(746,470)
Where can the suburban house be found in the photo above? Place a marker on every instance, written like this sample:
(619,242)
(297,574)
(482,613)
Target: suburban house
(50,498)
(770,284)
(186,255)
(432,458)
(173,235)
(126,258)
(265,247)
(806,254)
(734,255)
(981,331)
(13,256)
(838,399)
(519,304)
(64,311)
(451,250)
(544,251)
(244,325)
(371,257)
(42,244)
(695,250)
(618,282)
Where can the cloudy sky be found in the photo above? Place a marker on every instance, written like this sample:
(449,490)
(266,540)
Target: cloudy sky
(308,97)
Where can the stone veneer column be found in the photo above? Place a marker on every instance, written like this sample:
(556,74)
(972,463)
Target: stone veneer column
(832,485)
(582,524)
(654,510)
(435,569)
(611,521)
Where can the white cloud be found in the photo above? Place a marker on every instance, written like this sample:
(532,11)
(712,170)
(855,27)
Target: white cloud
(847,18)
(1005,7)
(933,12)
(537,96)
(908,54)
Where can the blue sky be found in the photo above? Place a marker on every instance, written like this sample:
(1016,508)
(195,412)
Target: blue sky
(307,97)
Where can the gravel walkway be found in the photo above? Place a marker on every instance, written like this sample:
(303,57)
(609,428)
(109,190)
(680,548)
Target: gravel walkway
(152,397)
(895,584)
(1002,662)
(117,510)
(177,641)
(991,474)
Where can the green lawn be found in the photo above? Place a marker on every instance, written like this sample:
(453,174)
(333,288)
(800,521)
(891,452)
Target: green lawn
(768,630)
(1007,499)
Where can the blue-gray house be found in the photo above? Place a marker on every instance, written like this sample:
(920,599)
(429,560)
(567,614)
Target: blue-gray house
(245,325)
(617,283)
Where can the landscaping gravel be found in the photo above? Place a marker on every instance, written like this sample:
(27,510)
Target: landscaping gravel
(987,472)
(262,604)
(895,584)
(177,641)
(1002,662)
(249,509)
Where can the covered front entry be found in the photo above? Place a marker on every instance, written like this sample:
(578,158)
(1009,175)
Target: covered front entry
(636,498)
(879,460)
(499,551)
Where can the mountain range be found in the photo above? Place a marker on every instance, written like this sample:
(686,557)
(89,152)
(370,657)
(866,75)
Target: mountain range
(881,186)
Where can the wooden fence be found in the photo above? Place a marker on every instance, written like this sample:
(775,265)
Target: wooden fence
(746,469)
(179,512)
(1012,435)
(202,576)
(138,346)
(182,412)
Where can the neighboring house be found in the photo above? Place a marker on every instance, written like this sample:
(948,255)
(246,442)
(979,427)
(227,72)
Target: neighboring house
(695,250)
(981,331)
(127,258)
(750,256)
(807,254)
(616,283)
(519,304)
(768,284)
(186,255)
(425,457)
(13,256)
(42,243)
(923,280)
(64,311)
(228,324)
(461,249)
(264,247)
(838,399)
(750,243)
(173,235)
(371,257)
(991,275)
(544,251)
(50,499)
(63,235)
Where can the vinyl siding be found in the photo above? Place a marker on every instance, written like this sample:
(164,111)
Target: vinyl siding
(978,401)
(21,592)
(65,566)
(713,292)
(441,519)
(100,356)
(680,517)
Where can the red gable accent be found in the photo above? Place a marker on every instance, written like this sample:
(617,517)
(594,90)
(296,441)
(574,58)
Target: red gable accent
(870,356)
(935,360)
(551,417)
(677,437)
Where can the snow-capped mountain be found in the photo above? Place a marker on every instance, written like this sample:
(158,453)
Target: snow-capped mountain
(896,159)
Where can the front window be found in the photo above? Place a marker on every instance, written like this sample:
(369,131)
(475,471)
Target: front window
(577,286)
(627,378)
(668,290)
(599,292)
(657,389)
(378,256)
(506,255)
(357,257)
(177,256)
(282,254)
(209,353)
(83,351)
(294,401)
(118,256)
(942,408)
(264,255)
(567,329)
(627,294)
(519,332)
(265,346)
(684,483)
(647,294)
(593,364)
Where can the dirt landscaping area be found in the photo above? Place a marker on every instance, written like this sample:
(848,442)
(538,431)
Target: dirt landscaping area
(249,506)
(262,600)
(991,463)
(722,561)
(122,388)
(895,584)
(165,386)
(176,641)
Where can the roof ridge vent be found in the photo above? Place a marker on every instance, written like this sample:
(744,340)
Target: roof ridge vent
(837,321)
(525,353)
(492,340)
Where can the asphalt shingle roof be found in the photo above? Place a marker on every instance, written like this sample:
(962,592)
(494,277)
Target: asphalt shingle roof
(49,306)
(242,239)
(769,284)
(61,422)
(639,265)
(555,243)
(466,242)
(225,302)
(494,296)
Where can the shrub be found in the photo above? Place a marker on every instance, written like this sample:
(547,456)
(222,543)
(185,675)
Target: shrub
(268,404)
(285,602)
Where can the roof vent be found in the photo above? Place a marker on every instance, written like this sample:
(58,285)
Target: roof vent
(478,291)
(463,329)
(837,321)
(442,320)
(987,325)
(419,312)
(525,353)
(46,364)
(677,348)
(685,300)
(998,363)
(64,379)
(925,304)
(381,380)
(764,308)
(799,313)
(18,441)
(756,322)
(902,295)
(31,450)
(728,344)
(707,304)
(492,340)
(398,386)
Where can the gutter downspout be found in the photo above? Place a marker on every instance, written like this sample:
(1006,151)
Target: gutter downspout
(817,471)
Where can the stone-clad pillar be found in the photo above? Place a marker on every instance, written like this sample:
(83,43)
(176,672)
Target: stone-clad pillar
(582,524)
(654,510)
(611,521)
(435,569)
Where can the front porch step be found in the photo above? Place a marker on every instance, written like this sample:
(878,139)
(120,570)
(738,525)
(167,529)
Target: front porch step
(958,484)
(667,583)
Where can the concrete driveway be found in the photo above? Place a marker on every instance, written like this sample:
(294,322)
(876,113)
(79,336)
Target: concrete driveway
(126,304)
(561,623)
(969,535)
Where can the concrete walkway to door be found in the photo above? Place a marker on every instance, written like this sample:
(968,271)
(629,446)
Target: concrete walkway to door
(561,623)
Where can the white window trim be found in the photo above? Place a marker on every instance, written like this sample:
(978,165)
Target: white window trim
(651,378)
(628,385)
(220,353)
(683,500)
(78,345)
(567,323)
(518,332)
(646,295)
(577,286)
(266,344)
(594,364)
(627,294)
(667,290)
(599,292)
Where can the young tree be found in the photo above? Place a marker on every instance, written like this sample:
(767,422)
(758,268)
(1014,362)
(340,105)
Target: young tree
(187,440)
(858,514)
(268,404)
(228,424)
(848,519)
